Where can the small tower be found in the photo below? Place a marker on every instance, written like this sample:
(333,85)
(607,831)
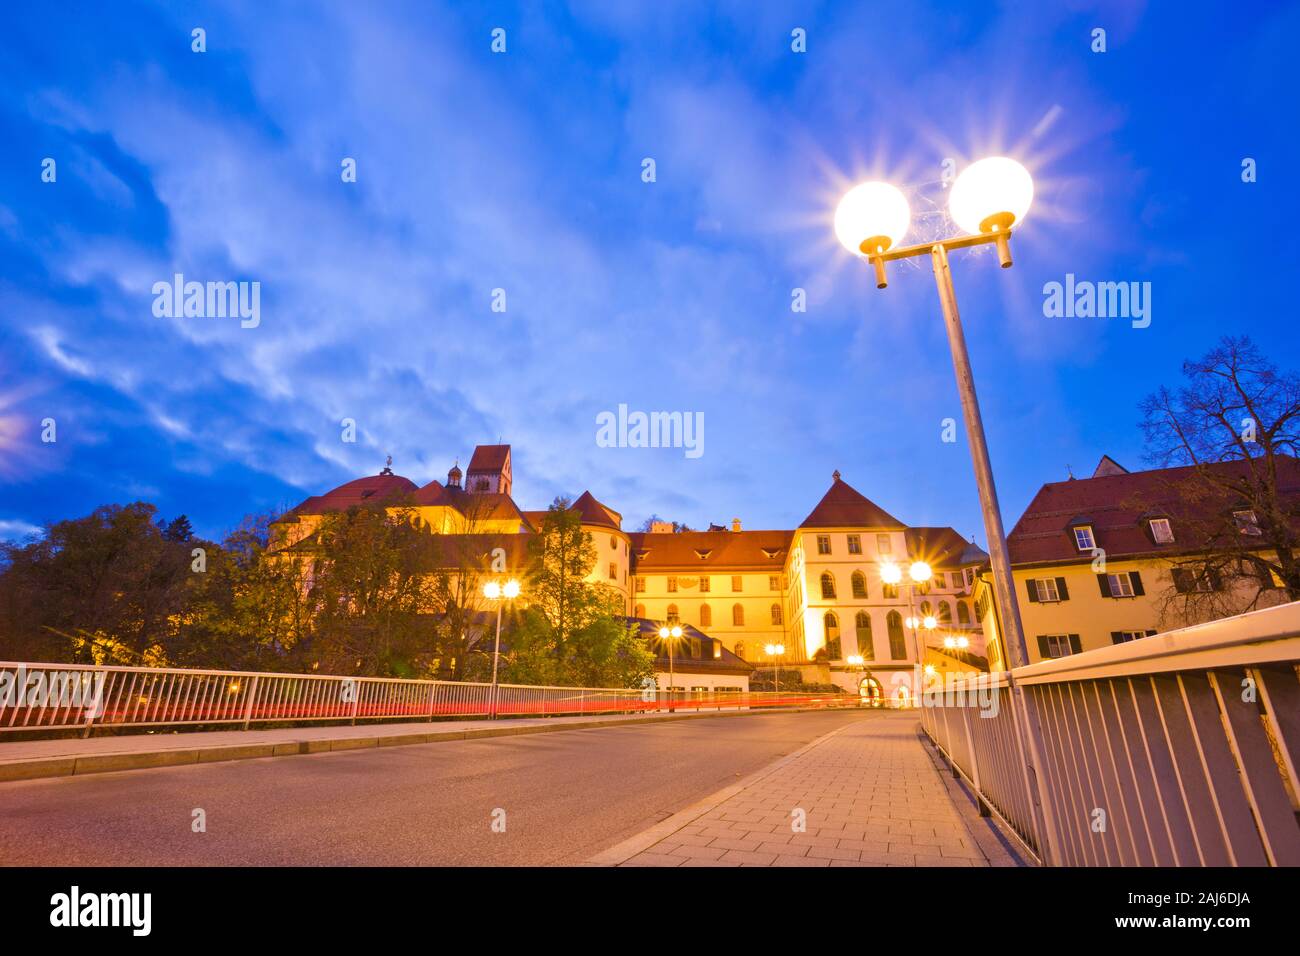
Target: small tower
(453,476)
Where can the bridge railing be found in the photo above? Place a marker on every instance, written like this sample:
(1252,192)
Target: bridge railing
(46,696)
(1179,749)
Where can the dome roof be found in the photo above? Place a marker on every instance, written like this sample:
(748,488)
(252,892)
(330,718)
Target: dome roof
(370,489)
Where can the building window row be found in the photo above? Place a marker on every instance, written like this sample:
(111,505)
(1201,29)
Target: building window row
(853,543)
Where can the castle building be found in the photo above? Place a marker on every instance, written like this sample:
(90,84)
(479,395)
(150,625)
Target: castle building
(815,591)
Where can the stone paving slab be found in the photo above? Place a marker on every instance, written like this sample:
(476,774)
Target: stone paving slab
(871,794)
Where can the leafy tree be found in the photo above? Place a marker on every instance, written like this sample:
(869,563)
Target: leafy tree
(1235,423)
(108,587)
(370,594)
(572,631)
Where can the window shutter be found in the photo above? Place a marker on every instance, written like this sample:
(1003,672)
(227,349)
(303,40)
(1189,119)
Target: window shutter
(1117,637)
(1042,647)
(1062,590)
(1031,587)
(1137,583)
(1076,647)
(1104,583)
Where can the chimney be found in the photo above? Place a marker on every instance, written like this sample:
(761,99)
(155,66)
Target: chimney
(735,524)
(661,527)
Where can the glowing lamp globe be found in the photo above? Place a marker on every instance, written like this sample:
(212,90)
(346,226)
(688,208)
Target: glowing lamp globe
(891,573)
(492,590)
(991,195)
(920,571)
(676,632)
(664,633)
(511,590)
(871,218)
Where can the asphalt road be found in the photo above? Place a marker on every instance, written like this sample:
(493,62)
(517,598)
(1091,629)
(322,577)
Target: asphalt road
(565,795)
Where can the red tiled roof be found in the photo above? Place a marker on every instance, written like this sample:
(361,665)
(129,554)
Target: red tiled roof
(942,548)
(1117,506)
(723,550)
(843,506)
(593,512)
(368,490)
(489,458)
(431,494)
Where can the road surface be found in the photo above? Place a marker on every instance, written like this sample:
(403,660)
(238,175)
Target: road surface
(565,796)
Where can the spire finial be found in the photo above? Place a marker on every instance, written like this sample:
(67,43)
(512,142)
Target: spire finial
(835,474)
(388,466)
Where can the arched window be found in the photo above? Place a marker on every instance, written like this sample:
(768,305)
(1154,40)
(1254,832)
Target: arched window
(945,613)
(828,586)
(673,616)
(737,615)
(963,613)
(640,610)
(859,584)
(927,609)
(740,649)
(776,614)
(832,624)
(890,591)
(706,616)
(865,645)
(897,645)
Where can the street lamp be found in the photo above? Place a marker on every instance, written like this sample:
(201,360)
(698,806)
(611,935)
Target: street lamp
(775,651)
(670,634)
(989,199)
(496,591)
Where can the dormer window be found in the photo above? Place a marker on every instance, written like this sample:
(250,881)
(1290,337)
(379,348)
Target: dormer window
(1083,537)
(703,553)
(1246,521)
(1161,532)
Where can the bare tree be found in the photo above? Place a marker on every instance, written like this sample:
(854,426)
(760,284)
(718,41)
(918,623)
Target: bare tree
(1234,426)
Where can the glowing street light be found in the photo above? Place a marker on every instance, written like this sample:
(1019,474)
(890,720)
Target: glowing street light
(920,572)
(891,573)
(776,650)
(671,635)
(988,200)
(991,195)
(872,218)
(496,591)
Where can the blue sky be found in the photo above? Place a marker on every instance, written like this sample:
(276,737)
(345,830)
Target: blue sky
(522,171)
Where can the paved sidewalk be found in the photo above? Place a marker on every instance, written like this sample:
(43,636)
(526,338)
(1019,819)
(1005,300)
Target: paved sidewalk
(873,796)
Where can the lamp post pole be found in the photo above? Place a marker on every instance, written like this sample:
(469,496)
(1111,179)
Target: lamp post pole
(496,657)
(1014,636)
(500,593)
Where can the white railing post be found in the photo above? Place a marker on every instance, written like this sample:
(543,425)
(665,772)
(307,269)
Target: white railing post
(252,698)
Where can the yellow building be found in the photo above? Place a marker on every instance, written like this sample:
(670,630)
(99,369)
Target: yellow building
(1123,555)
(815,591)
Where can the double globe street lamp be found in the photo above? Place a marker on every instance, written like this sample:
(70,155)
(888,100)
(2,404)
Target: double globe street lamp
(988,200)
(499,592)
(918,573)
(671,633)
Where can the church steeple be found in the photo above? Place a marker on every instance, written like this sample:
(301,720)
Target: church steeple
(453,476)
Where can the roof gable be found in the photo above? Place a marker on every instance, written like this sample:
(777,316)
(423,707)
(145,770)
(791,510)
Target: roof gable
(843,506)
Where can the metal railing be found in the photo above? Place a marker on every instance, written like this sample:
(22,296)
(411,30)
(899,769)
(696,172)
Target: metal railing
(1179,749)
(45,696)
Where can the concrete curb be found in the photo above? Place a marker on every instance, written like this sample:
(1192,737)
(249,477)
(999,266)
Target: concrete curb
(622,852)
(69,765)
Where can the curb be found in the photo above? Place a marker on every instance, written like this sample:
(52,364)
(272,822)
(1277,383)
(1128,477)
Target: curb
(71,765)
(620,853)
